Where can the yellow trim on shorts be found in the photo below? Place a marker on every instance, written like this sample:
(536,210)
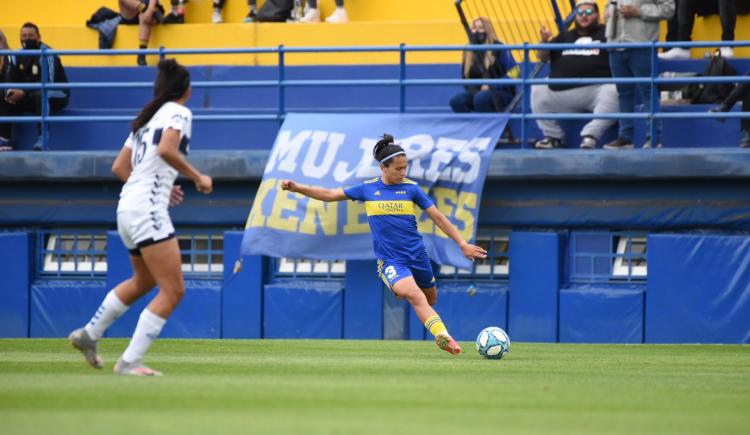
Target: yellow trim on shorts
(382,277)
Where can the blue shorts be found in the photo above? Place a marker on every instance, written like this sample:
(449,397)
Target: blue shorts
(392,272)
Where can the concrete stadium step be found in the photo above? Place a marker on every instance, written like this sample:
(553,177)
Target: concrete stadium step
(263,35)
(76,12)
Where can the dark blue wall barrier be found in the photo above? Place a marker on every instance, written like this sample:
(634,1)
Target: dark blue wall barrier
(60,306)
(698,287)
(697,292)
(535,268)
(197,316)
(15,268)
(601,314)
(363,301)
(242,293)
(303,309)
(466,312)
(415,328)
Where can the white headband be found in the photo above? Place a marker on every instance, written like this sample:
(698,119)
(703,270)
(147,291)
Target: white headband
(399,153)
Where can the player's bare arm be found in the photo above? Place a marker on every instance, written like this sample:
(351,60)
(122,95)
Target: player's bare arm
(170,152)
(319,193)
(122,166)
(470,251)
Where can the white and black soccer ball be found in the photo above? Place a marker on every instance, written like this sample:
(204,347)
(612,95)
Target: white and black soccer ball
(493,343)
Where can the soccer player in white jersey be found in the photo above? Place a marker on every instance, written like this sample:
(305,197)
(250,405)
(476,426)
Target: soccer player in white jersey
(148,163)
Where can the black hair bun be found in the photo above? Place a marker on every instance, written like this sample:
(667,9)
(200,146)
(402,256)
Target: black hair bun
(382,143)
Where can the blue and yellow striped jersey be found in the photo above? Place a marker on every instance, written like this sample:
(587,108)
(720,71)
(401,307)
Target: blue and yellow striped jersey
(391,214)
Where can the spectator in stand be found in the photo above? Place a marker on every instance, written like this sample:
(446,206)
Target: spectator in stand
(672,27)
(740,92)
(488,64)
(28,69)
(686,11)
(4,78)
(313,14)
(146,13)
(576,63)
(633,21)
(251,14)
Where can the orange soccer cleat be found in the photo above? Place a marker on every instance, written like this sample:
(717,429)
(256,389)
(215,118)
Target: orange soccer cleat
(448,344)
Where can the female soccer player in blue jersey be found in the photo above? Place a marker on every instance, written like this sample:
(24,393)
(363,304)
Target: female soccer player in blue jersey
(403,263)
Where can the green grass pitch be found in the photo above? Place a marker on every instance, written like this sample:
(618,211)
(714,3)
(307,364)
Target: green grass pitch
(376,387)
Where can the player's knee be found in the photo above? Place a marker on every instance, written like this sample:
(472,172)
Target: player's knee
(175,292)
(414,296)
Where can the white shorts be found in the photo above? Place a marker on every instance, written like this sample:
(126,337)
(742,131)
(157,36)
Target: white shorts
(138,229)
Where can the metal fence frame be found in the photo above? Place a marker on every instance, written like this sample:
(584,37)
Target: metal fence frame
(611,256)
(281,83)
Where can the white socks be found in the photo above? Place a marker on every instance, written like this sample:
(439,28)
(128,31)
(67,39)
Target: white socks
(110,310)
(148,328)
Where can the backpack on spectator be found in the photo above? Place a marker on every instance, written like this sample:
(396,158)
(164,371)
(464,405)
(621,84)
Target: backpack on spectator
(712,93)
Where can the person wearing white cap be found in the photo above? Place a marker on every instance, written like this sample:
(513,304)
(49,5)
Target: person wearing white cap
(575,63)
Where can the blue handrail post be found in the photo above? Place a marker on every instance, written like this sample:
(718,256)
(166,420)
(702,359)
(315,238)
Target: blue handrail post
(653,131)
(526,101)
(401,77)
(282,76)
(44,102)
(162,54)
(558,16)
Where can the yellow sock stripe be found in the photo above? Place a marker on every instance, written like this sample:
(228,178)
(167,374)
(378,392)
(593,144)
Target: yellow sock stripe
(435,325)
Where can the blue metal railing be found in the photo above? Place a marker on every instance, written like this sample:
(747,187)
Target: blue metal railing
(401,82)
(202,253)
(72,253)
(597,257)
(495,267)
(307,268)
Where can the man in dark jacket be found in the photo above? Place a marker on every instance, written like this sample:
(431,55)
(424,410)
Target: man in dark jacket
(28,69)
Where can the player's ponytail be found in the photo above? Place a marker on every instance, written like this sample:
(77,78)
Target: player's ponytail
(385,150)
(171,84)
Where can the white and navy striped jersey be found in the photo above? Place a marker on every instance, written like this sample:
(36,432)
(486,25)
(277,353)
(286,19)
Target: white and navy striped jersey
(151,181)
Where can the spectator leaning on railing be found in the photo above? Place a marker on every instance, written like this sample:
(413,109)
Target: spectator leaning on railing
(28,69)
(633,21)
(575,63)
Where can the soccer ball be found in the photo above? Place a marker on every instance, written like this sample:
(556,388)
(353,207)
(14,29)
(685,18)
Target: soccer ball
(493,343)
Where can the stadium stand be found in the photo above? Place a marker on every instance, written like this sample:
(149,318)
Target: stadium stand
(415,23)
(573,217)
